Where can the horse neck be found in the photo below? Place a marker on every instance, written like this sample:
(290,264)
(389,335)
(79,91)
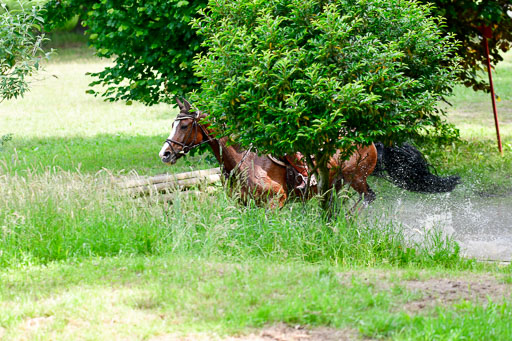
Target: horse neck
(228,156)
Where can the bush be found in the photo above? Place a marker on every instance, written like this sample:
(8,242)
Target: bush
(290,75)
(16,5)
(21,52)
(155,43)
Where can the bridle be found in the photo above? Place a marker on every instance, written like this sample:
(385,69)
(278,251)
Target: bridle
(183,115)
(195,126)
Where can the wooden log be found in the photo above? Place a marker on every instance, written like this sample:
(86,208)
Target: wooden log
(175,184)
(169,198)
(169,178)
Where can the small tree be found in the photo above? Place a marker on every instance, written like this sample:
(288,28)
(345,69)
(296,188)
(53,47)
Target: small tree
(317,76)
(20,49)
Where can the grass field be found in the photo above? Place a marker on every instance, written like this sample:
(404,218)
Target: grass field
(81,260)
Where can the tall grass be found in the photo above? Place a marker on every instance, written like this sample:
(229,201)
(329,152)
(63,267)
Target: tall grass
(57,215)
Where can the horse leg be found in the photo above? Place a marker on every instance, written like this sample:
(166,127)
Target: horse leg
(270,192)
(277,196)
(277,201)
(370,196)
(366,194)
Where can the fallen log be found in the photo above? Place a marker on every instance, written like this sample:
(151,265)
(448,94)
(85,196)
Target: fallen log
(173,196)
(207,174)
(175,184)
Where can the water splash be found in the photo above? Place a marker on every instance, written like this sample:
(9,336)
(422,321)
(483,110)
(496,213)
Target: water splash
(481,224)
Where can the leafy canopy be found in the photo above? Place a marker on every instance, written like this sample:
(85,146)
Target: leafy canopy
(314,76)
(151,42)
(20,49)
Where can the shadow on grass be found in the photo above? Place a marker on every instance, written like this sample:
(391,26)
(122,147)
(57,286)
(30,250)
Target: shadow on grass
(117,153)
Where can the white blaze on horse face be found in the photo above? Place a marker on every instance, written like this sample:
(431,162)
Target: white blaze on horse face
(166,146)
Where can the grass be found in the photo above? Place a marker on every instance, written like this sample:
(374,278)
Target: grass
(472,111)
(63,215)
(80,258)
(58,125)
(143,297)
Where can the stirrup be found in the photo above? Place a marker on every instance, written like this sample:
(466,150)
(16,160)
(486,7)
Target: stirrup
(304,182)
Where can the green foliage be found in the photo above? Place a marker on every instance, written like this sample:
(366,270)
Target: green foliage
(290,75)
(151,42)
(67,25)
(21,52)
(4,139)
(464,18)
(17,5)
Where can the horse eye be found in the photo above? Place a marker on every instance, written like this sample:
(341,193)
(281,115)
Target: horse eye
(184,127)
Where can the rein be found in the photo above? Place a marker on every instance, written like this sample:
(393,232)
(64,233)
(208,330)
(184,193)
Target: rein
(241,161)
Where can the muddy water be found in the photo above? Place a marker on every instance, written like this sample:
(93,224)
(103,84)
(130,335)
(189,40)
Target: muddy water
(481,225)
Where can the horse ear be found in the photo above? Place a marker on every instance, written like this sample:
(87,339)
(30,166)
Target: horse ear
(180,105)
(187,105)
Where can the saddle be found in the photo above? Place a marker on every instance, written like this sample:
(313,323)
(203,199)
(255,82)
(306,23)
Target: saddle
(296,172)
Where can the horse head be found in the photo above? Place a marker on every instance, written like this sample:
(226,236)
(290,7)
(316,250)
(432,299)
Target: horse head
(186,134)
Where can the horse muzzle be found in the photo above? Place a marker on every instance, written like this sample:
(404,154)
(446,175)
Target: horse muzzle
(169,158)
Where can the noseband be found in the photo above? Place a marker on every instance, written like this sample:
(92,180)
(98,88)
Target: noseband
(195,125)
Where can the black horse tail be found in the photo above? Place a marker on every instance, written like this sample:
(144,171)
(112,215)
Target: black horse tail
(409,170)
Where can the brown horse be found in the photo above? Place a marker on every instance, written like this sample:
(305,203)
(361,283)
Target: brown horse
(264,178)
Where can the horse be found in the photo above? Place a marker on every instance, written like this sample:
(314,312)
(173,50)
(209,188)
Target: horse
(264,176)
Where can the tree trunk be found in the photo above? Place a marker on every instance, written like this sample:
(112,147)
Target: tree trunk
(321,171)
(323,184)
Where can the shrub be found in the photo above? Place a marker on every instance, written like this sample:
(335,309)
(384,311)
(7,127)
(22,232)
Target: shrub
(21,52)
(315,76)
(155,43)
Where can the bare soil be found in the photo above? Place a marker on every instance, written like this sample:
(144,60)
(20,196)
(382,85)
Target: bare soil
(278,332)
(426,294)
(438,291)
(446,291)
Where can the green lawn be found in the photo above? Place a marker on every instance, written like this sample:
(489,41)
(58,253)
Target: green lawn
(145,297)
(80,259)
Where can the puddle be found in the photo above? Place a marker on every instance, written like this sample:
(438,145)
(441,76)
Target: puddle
(481,225)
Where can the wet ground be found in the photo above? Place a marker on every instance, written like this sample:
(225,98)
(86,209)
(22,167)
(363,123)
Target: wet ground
(480,222)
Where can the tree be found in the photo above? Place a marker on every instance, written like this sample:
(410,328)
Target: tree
(317,76)
(20,53)
(465,19)
(151,41)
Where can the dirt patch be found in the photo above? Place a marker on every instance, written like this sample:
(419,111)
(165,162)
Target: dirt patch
(278,332)
(31,326)
(446,291)
(431,292)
